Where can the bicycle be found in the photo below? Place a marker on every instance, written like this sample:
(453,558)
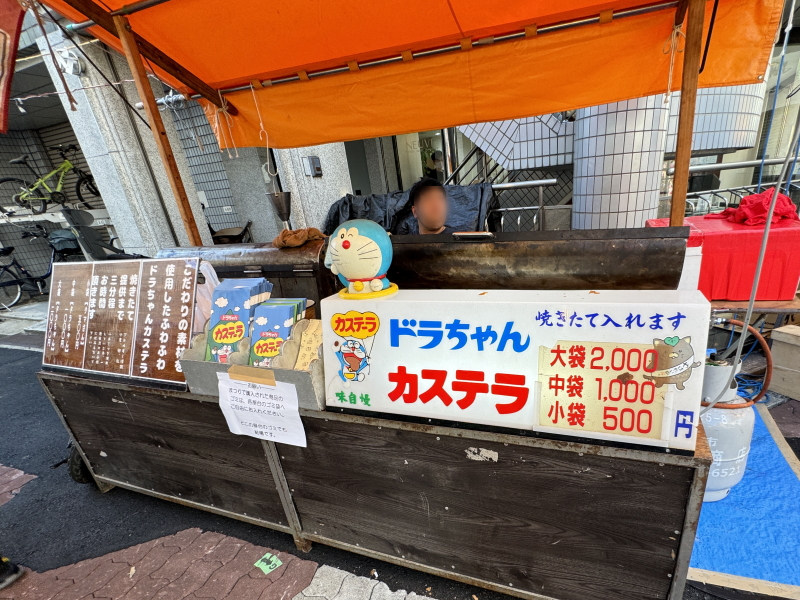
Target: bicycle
(36,196)
(14,278)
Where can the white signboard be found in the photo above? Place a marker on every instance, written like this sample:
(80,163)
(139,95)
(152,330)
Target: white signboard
(262,411)
(625,366)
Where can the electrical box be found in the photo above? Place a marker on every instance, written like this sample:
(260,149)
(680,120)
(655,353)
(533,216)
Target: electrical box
(313,167)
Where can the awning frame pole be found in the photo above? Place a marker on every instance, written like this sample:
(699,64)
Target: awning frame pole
(131,50)
(692,54)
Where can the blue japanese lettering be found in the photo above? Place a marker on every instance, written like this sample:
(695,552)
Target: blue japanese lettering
(633,320)
(514,337)
(544,319)
(676,320)
(610,320)
(455,331)
(395,331)
(430,329)
(481,335)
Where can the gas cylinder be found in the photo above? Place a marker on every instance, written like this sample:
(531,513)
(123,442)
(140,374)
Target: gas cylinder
(729,431)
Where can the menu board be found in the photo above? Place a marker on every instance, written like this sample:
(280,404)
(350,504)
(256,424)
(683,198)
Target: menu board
(124,317)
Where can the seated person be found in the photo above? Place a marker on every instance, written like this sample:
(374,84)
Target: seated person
(429,205)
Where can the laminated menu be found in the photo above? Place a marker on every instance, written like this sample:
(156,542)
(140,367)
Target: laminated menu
(128,318)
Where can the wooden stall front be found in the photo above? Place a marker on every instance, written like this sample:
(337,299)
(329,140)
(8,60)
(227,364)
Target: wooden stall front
(529,517)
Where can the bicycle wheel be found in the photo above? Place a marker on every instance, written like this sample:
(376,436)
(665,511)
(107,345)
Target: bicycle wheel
(87,192)
(18,191)
(10,290)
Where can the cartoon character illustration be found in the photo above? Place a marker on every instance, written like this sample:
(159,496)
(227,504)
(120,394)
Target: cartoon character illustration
(675,361)
(353,359)
(221,354)
(359,253)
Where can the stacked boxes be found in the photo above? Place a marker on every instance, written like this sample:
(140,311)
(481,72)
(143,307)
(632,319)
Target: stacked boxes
(233,305)
(272,324)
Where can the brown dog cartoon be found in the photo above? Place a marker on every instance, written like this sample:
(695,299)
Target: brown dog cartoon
(675,361)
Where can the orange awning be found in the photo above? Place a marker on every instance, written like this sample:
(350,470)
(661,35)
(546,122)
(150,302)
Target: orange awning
(228,44)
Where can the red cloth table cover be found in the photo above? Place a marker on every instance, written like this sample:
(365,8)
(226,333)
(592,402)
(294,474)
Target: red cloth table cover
(730,253)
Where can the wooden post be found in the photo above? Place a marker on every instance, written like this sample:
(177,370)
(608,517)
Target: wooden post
(691,71)
(131,50)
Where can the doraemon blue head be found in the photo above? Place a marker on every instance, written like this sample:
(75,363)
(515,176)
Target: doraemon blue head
(359,253)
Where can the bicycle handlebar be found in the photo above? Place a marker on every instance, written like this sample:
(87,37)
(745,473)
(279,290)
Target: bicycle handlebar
(60,148)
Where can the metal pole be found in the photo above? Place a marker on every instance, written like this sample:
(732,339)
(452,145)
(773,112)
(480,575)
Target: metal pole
(541,208)
(789,23)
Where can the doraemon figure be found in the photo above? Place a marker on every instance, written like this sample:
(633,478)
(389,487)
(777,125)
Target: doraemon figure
(359,253)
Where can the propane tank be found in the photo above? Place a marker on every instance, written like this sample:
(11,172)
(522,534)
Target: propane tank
(729,431)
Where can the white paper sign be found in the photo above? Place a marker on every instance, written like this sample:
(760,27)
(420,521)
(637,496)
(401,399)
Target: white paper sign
(262,411)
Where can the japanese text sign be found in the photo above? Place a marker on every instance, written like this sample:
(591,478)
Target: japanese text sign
(260,410)
(125,317)
(612,365)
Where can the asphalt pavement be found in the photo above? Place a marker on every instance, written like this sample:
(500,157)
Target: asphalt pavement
(54,521)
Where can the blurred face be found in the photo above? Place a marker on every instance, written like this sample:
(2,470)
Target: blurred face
(431,210)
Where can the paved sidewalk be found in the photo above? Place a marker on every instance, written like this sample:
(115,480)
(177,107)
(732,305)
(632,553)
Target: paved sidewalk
(193,565)
(11,482)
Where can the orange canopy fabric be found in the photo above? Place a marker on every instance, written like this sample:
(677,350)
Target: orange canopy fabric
(229,44)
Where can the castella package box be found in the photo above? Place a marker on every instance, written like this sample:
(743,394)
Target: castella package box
(232,306)
(272,324)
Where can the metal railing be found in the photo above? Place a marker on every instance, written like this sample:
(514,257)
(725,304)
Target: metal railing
(539,217)
(712,167)
(715,201)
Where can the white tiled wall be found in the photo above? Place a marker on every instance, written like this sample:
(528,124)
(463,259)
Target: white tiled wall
(725,118)
(617,150)
(619,154)
(531,143)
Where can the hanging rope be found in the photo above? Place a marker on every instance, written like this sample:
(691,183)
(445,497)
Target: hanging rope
(119,91)
(32,6)
(672,47)
(263,132)
(228,122)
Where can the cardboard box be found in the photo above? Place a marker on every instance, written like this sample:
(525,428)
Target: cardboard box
(201,375)
(272,322)
(786,361)
(232,307)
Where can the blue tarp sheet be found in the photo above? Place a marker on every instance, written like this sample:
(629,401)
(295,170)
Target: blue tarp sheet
(755,531)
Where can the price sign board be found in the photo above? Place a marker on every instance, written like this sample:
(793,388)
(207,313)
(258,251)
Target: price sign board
(128,317)
(622,366)
(601,388)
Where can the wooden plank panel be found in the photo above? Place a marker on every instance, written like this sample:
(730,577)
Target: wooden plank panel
(545,521)
(172,445)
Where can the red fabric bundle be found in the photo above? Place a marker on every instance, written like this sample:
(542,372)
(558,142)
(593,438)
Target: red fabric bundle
(753,209)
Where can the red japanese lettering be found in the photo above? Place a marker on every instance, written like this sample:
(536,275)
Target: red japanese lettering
(512,386)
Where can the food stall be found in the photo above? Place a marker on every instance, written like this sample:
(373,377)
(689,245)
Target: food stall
(519,415)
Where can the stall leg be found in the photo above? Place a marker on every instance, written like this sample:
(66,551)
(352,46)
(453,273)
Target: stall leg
(274,460)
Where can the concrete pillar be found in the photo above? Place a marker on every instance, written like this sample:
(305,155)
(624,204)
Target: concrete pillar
(122,154)
(312,196)
(249,188)
(618,161)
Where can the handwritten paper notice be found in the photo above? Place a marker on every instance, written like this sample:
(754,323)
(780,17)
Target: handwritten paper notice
(263,411)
